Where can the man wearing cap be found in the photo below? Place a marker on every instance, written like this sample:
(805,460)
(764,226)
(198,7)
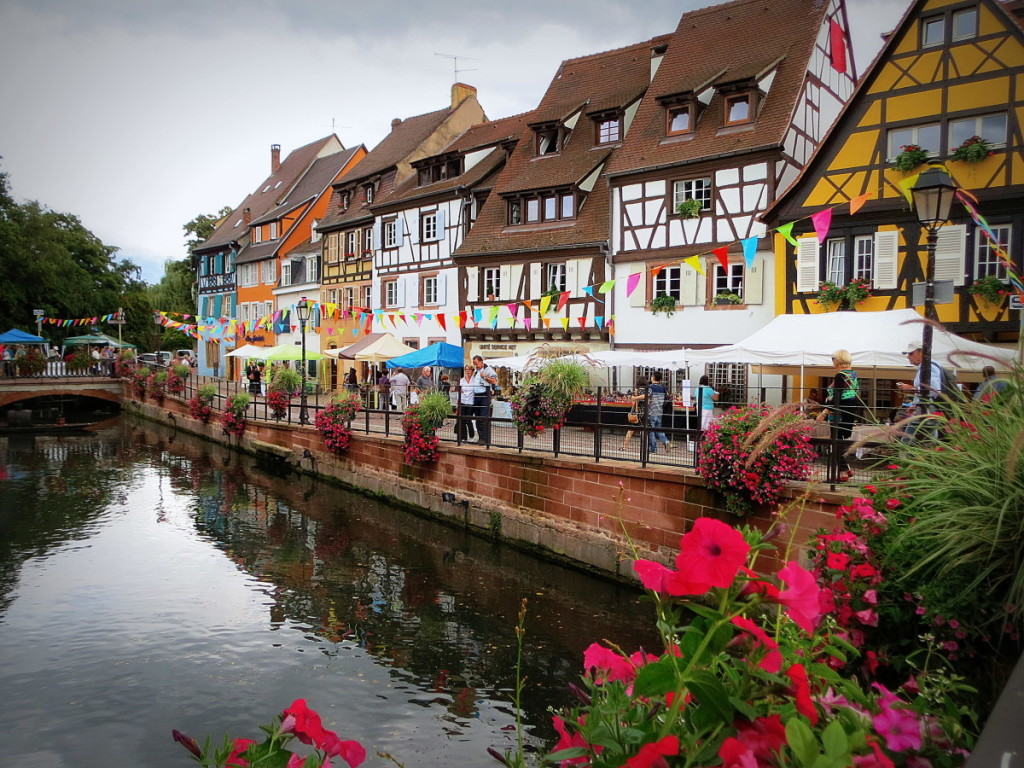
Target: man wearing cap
(913,353)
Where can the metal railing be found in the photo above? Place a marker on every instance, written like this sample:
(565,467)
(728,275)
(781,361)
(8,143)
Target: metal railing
(596,429)
(57,369)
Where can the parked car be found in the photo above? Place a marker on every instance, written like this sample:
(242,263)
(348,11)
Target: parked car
(185,356)
(148,358)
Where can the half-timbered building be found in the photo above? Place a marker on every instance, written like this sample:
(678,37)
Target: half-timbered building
(741,96)
(350,233)
(543,238)
(432,212)
(951,71)
(215,259)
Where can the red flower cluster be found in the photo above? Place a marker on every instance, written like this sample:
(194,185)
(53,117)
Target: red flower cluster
(534,409)
(140,381)
(333,424)
(308,728)
(421,446)
(279,403)
(155,388)
(175,384)
(199,409)
(232,424)
(746,472)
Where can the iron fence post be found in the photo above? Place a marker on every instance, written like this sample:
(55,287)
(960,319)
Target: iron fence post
(598,429)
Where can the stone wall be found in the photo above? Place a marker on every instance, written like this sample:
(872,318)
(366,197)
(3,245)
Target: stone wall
(589,514)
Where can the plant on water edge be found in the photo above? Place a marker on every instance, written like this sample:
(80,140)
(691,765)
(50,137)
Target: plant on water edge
(750,453)
(176,381)
(140,380)
(279,402)
(233,419)
(31,363)
(285,380)
(125,362)
(689,208)
(663,303)
(989,288)
(297,722)
(420,424)
(745,677)
(333,422)
(156,385)
(910,156)
(973,150)
(544,398)
(80,360)
(201,406)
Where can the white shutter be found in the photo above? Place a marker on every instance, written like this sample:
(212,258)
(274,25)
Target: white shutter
(807,265)
(582,276)
(506,283)
(950,248)
(688,286)
(400,294)
(472,284)
(535,281)
(376,234)
(441,223)
(516,276)
(571,272)
(414,226)
(399,231)
(638,298)
(753,281)
(887,250)
(442,286)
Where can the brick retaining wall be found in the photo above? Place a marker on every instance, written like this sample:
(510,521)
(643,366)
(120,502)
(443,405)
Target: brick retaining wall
(572,510)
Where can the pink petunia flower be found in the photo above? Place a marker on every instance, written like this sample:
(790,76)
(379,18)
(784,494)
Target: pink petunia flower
(653,755)
(802,692)
(712,552)
(772,660)
(607,665)
(801,597)
(899,728)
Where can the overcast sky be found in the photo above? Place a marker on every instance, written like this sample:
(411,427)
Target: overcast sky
(136,115)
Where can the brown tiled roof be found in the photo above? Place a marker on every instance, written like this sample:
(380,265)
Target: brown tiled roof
(479,136)
(257,252)
(612,79)
(268,194)
(358,211)
(311,185)
(721,44)
(402,140)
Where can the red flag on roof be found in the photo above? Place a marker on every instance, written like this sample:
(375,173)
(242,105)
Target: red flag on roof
(837,38)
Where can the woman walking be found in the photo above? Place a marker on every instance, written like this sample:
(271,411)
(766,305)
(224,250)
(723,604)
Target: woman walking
(708,396)
(842,406)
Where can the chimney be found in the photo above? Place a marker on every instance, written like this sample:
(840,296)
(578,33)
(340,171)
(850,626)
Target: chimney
(395,123)
(275,157)
(461,92)
(247,216)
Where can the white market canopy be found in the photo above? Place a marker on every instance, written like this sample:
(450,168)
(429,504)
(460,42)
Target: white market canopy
(384,348)
(606,358)
(249,350)
(872,338)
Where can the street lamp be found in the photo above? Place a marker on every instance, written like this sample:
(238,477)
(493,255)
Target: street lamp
(933,196)
(302,308)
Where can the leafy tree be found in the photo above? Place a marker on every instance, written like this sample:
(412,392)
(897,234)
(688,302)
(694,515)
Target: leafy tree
(198,230)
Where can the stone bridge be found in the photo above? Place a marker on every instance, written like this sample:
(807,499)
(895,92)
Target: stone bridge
(16,388)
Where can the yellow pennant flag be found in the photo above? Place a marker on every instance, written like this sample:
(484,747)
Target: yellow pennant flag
(565,323)
(906,185)
(694,261)
(545,302)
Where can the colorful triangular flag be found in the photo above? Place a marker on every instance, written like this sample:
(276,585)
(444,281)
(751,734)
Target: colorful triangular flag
(822,221)
(749,250)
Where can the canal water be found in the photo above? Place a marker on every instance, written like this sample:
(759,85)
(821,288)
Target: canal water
(150,581)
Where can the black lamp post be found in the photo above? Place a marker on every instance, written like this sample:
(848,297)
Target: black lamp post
(933,196)
(302,308)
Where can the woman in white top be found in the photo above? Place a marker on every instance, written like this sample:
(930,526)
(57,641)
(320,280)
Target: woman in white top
(467,392)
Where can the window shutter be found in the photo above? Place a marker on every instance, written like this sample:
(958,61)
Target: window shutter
(442,285)
(753,281)
(582,276)
(414,226)
(218,304)
(516,277)
(219,264)
(375,234)
(506,282)
(536,276)
(202,307)
(887,249)
(399,231)
(441,222)
(689,280)
(807,265)
(472,283)
(950,249)
(572,269)
(637,298)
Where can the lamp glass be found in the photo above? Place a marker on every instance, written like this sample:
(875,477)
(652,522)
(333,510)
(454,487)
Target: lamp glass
(933,197)
(302,307)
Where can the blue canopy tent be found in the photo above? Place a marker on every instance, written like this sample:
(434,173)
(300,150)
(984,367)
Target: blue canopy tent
(14,336)
(441,354)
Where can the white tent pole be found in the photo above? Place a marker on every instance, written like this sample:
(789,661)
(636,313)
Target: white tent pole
(802,396)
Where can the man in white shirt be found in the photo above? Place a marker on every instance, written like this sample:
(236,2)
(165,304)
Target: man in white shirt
(400,390)
(923,400)
(484,380)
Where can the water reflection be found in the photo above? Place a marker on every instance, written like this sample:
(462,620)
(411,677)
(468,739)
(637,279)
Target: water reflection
(167,582)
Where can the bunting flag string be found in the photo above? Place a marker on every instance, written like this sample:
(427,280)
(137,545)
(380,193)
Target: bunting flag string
(65,322)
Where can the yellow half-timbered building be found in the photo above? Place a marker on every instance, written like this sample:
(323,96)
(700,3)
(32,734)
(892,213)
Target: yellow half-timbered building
(950,71)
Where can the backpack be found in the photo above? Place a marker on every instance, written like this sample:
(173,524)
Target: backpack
(949,390)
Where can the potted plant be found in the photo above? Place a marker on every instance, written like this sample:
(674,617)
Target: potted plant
(201,406)
(140,379)
(31,363)
(176,381)
(689,208)
(910,156)
(80,361)
(973,150)
(727,297)
(420,423)
(156,385)
(233,420)
(845,297)
(663,303)
(544,399)
(284,383)
(989,288)
(125,362)
(334,422)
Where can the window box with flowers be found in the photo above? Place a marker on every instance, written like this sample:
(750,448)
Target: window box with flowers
(689,208)
(727,297)
(663,303)
(990,289)
(973,150)
(910,156)
(845,297)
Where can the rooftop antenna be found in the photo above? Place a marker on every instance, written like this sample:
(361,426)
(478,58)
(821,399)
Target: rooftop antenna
(455,64)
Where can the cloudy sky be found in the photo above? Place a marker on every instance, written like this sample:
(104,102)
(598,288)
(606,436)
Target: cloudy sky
(137,115)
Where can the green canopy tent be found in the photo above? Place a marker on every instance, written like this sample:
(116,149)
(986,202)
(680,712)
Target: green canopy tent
(288,352)
(96,339)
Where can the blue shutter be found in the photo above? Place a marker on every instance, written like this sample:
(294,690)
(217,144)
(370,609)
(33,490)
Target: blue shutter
(219,268)
(202,305)
(204,269)
(218,303)
(231,305)
(231,262)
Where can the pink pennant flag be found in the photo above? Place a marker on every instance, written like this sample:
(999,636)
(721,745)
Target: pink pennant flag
(513,309)
(632,282)
(528,322)
(822,221)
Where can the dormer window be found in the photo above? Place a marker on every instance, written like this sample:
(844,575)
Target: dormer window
(739,108)
(549,140)
(256,235)
(368,193)
(680,119)
(550,206)
(438,171)
(609,128)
